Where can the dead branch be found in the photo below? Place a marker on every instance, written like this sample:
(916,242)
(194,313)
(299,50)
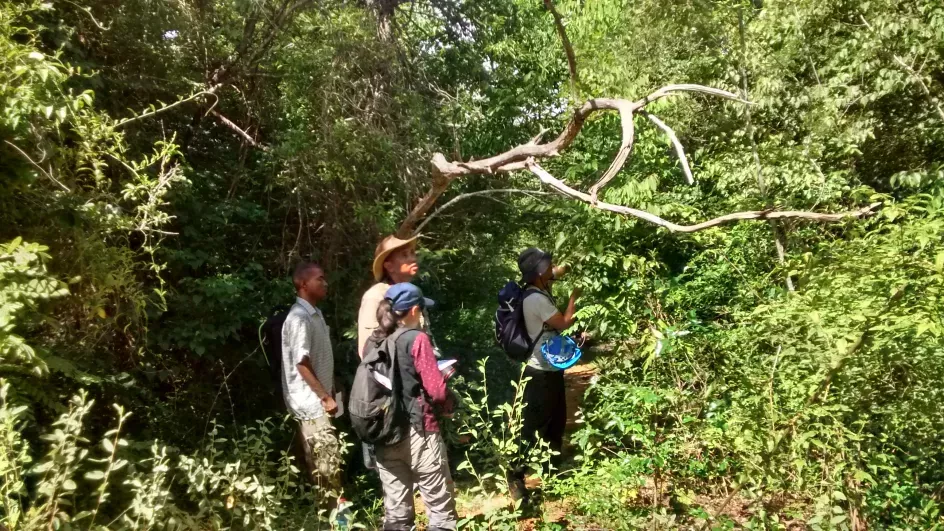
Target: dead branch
(668,90)
(559,185)
(679,150)
(523,157)
(626,147)
(229,123)
(445,171)
(151,112)
(568,48)
(460,197)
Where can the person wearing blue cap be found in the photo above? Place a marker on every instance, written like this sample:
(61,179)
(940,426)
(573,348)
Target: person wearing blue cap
(545,409)
(420,459)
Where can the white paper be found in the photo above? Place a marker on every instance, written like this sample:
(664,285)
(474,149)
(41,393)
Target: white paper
(445,364)
(339,400)
(383,380)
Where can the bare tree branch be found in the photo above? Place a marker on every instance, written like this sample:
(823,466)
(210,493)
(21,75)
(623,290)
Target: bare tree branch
(559,185)
(229,123)
(445,171)
(460,197)
(626,147)
(36,165)
(524,156)
(668,90)
(148,113)
(568,48)
(679,150)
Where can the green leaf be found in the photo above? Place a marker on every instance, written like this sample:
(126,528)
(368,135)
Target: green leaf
(94,475)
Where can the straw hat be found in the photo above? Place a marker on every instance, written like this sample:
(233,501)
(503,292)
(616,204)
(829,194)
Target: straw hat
(384,248)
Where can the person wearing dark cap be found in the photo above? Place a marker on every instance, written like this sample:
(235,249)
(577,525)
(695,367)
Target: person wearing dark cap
(419,460)
(545,409)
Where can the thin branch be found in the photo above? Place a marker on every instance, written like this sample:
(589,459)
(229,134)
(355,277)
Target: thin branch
(668,90)
(679,150)
(148,113)
(568,48)
(915,76)
(924,87)
(48,174)
(88,11)
(460,197)
(559,185)
(229,123)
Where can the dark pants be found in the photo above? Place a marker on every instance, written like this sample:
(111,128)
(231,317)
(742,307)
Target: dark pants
(545,413)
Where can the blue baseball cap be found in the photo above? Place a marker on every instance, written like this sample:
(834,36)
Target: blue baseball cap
(405,295)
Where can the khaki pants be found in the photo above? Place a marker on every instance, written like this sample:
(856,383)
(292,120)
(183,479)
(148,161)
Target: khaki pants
(418,460)
(322,452)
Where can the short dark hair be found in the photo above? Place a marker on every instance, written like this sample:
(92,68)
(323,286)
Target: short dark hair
(302,271)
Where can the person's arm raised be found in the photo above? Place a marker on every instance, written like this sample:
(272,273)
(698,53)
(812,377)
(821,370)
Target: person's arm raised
(563,321)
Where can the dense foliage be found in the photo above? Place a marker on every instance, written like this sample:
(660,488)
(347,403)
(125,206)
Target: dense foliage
(165,164)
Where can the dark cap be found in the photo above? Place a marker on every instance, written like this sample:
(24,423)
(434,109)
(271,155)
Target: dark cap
(405,295)
(533,262)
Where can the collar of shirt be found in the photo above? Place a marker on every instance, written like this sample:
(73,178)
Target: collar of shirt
(307,306)
(532,287)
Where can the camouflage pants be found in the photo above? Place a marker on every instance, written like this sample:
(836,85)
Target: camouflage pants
(322,451)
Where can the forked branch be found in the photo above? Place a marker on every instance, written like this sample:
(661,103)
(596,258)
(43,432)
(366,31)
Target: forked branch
(524,157)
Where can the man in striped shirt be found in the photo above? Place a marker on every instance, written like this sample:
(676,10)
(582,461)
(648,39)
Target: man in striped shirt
(308,377)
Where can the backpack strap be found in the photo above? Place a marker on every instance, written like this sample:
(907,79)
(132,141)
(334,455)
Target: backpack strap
(544,326)
(390,347)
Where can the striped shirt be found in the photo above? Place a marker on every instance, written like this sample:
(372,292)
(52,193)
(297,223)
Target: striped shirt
(305,334)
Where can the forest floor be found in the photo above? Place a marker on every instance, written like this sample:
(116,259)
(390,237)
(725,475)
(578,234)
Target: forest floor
(577,380)
(558,513)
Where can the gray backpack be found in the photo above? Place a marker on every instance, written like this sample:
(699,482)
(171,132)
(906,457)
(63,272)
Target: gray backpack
(377,414)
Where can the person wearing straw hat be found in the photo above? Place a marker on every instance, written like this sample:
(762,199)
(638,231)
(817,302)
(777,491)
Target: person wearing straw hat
(394,262)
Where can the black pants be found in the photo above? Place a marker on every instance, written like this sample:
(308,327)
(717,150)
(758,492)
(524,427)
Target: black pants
(545,413)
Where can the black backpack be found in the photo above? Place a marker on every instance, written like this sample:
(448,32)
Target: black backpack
(270,339)
(510,330)
(375,408)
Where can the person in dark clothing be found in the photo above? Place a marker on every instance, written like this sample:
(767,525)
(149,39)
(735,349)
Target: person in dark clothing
(545,409)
